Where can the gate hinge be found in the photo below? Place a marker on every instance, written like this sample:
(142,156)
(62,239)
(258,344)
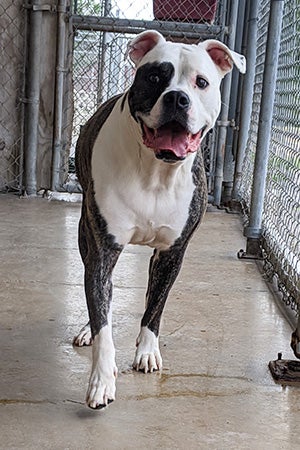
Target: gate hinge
(227,123)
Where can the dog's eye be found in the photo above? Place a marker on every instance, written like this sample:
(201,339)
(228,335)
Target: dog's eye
(153,78)
(201,83)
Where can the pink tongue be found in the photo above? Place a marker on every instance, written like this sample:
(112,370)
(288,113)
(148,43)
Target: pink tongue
(180,143)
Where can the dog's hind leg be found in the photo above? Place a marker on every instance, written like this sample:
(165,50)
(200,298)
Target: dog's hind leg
(163,270)
(84,337)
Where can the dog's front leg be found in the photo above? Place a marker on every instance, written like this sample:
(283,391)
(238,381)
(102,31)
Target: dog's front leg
(98,288)
(102,387)
(163,270)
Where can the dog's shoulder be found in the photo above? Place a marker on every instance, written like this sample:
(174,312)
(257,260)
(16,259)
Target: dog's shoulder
(198,171)
(87,137)
(198,204)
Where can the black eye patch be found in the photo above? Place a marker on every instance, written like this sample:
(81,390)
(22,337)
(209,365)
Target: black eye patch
(151,80)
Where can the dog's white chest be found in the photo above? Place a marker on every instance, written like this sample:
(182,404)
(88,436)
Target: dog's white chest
(143,200)
(144,216)
(159,217)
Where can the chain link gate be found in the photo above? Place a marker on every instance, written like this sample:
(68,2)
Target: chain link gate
(12,78)
(101,32)
(281,213)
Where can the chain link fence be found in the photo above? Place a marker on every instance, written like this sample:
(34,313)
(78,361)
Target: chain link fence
(281,216)
(12,51)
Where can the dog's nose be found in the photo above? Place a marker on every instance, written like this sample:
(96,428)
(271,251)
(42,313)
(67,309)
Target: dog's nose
(177,100)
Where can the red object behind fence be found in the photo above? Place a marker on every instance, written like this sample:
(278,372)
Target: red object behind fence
(185,10)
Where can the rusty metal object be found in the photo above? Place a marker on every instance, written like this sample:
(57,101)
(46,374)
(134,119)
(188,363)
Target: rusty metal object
(285,371)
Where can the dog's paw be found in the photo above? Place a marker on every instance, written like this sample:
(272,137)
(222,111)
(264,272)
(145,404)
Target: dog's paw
(102,389)
(102,385)
(84,337)
(147,355)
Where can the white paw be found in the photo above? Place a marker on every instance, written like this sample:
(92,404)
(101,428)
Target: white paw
(84,337)
(102,388)
(102,385)
(147,355)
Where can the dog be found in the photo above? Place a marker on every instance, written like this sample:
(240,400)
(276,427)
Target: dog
(143,181)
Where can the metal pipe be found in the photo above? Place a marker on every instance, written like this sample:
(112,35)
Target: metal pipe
(59,93)
(234,111)
(254,229)
(223,5)
(22,103)
(178,29)
(223,122)
(240,89)
(247,94)
(33,98)
(102,57)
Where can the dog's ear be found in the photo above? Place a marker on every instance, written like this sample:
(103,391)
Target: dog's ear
(142,44)
(223,57)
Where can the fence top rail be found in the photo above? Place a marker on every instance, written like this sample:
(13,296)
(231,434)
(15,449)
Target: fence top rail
(192,31)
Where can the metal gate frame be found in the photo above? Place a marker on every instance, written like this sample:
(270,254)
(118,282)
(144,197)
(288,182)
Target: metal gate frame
(225,31)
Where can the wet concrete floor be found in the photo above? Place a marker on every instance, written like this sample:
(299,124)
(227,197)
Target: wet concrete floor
(220,329)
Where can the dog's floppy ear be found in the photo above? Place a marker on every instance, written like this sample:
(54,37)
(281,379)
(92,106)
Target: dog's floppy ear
(223,57)
(142,44)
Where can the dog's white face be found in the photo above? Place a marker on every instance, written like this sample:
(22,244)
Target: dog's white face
(175,95)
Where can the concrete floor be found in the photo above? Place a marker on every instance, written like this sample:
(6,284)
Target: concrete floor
(220,329)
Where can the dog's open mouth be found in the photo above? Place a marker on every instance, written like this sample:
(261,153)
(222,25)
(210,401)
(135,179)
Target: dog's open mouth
(171,142)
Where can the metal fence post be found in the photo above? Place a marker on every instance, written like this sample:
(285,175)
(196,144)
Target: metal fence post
(253,231)
(59,93)
(102,55)
(23,102)
(223,122)
(247,94)
(33,97)
(234,110)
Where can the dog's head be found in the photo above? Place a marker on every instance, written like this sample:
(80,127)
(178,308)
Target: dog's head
(175,96)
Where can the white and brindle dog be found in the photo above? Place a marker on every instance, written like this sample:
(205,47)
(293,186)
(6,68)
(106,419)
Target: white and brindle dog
(143,180)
